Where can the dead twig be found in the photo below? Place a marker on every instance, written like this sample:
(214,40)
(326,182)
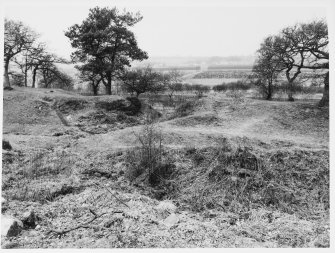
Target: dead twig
(83,225)
(121,201)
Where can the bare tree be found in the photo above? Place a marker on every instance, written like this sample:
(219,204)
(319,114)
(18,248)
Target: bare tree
(22,61)
(37,57)
(303,46)
(18,38)
(291,57)
(53,77)
(313,39)
(173,82)
(43,63)
(266,68)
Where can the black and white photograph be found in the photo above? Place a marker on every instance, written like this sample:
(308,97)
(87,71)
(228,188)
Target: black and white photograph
(166,124)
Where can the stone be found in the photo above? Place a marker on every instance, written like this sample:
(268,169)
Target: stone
(171,220)
(166,206)
(10,226)
(29,219)
(211,214)
(245,242)
(3,201)
(6,145)
(10,245)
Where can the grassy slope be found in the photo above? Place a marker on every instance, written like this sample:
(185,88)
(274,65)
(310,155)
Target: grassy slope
(56,175)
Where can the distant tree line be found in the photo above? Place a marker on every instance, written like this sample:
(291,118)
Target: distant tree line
(23,50)
(303,46)
(144,80)
(105,48)
(238,85)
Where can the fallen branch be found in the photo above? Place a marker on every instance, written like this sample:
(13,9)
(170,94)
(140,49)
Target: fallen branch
(83,225)
(121,201)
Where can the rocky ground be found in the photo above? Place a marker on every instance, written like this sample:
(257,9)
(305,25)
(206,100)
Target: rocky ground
(238,172)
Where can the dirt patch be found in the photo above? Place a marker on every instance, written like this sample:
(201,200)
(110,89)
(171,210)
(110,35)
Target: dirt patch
(41,108)
(302,117)
(205,120)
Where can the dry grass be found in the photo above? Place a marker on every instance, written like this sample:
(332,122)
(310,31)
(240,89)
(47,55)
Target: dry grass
(39,176)
(149,158)
(241,179)
(255,176)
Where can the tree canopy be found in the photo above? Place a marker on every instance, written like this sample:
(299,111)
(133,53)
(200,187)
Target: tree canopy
(266,68)
(303,46)
(143,80)
(17,39)
(105,39)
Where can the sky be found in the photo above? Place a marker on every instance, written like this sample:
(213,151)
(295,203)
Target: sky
(173,28)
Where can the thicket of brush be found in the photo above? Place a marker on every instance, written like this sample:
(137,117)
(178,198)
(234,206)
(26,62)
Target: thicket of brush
(149,158)
(40,176)
(233,86)
(299,88)
(235,179)
(241,179)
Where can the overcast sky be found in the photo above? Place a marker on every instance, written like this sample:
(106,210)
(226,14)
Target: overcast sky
(188,28)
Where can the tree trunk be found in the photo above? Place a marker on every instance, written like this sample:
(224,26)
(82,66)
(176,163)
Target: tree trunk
(7,82)
(45,80)
(325,98)
(34,78)
(269,95)
(95,89)
(25,73)
(109,85)
(290,91)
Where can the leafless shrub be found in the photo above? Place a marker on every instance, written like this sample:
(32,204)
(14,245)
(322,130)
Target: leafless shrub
(149,157)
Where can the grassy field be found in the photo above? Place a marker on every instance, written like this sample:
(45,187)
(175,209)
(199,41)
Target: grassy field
(210,81)
(238,171)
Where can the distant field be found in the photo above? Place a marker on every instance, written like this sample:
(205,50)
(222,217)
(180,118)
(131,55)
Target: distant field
(233,73)
(210,81)
(215,77)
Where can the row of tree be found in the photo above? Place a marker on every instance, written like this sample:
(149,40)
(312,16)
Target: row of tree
(146,80)
(105,46)
(23,50)
(303,46)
